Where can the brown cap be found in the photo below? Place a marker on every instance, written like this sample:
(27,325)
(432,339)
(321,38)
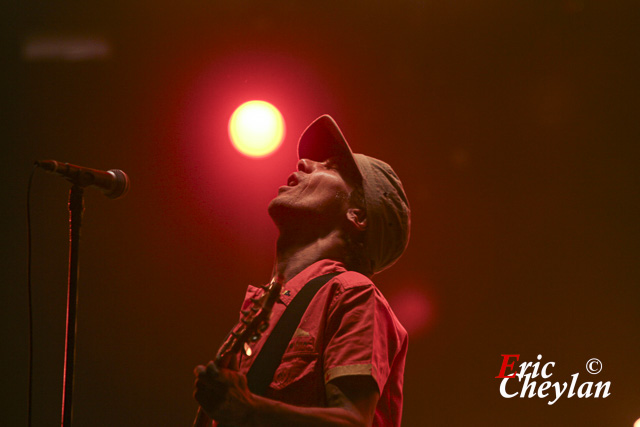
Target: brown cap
(388,213)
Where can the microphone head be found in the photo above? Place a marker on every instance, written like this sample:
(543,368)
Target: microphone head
(120,185)
(48,165)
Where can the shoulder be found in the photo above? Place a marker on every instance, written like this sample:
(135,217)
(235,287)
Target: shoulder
(354,289)
(352,283)
(353,279)
(353,286)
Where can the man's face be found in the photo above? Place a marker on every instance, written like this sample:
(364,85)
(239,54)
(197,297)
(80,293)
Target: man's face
(316,191)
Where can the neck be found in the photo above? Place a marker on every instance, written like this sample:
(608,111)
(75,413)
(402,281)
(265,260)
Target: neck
(295,253)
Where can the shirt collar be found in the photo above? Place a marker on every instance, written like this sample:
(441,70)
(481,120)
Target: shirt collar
(318,268)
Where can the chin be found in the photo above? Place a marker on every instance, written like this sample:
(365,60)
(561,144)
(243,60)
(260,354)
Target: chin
(286,215)
(277,209)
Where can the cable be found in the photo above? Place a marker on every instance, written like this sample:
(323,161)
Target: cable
(30,369)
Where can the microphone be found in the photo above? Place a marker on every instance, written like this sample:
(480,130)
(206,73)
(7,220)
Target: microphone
(114,183)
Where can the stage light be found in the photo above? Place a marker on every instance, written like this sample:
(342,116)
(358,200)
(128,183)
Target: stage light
(413,308)
(256,128)
(637,423)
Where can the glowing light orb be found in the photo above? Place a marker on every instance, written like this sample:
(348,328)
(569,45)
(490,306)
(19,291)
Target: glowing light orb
(413,309)
(256,128)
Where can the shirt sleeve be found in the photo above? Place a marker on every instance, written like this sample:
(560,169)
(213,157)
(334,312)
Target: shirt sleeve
(363,336)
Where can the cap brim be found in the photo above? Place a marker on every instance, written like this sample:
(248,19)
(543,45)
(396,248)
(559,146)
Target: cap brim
(322,140)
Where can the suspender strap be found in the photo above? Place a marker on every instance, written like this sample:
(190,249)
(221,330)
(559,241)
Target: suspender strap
(264,367)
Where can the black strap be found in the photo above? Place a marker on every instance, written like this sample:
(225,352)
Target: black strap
(264,367)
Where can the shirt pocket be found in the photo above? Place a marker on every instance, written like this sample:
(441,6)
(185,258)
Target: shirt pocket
(298,363)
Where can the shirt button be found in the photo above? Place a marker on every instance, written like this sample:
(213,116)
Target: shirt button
(281,376)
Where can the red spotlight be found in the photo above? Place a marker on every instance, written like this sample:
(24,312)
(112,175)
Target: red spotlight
(413,308)
(256,128)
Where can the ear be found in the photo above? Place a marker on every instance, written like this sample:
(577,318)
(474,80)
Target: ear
(358,218)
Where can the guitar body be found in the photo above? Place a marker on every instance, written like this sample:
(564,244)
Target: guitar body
(253,322)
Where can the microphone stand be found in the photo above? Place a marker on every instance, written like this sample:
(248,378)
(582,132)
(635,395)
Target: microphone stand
(76,208)
(114,183)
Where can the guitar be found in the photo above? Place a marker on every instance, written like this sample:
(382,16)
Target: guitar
(253,322)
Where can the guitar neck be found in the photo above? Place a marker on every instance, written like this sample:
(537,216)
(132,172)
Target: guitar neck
(201,419)
(253,323)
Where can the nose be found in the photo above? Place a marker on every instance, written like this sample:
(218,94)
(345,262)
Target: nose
(306,165)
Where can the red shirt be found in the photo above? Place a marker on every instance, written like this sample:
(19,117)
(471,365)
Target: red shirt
(347,329)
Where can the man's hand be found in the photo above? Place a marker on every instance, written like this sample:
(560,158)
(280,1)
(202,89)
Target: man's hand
(224,395)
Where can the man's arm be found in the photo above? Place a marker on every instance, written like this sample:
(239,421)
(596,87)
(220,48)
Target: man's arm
(225,397)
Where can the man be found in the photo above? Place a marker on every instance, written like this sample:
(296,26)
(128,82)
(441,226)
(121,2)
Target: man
(339,213)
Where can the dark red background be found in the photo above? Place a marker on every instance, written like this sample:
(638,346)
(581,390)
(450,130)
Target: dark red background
(514,126)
